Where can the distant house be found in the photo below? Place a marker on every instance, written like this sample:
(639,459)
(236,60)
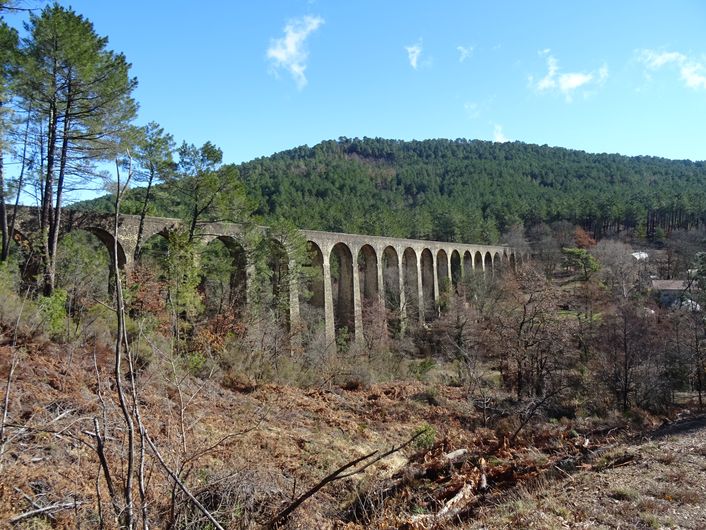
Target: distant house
(670,292)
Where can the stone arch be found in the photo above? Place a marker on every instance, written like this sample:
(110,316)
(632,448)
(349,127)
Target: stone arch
(341,262)
(467,263)
(497,263)
(85,260)
(368,274)
(428,284)
(107,239)
(225,274)
(478,260)
(411,283)
(488,263)
(391,286)
(311,295)
(506,260)
(456,271)
(153,246)
(371,308)
(277,297)
(442,271)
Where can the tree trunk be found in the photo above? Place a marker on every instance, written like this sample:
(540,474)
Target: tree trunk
(45,215)
(5,249)
(143,214)
(56,218)
(194,220)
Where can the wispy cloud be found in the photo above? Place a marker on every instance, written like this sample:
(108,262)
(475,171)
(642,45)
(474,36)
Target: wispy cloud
(498,135)
(414,52)
(464,52)
(566,82)
(691,71)
(289,51)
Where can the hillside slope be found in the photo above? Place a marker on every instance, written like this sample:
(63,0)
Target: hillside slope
(247,451)
(462,190)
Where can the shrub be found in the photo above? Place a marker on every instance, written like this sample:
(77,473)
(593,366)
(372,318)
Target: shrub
(426,436)
(53,310)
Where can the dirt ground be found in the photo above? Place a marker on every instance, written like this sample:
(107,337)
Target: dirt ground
(658,482)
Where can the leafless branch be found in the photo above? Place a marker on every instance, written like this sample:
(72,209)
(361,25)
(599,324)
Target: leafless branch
(338,474)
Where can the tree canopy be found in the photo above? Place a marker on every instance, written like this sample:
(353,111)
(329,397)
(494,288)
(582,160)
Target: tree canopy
(467,190)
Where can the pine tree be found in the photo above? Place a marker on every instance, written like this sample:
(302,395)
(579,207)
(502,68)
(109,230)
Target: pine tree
(153,155)
(80,94)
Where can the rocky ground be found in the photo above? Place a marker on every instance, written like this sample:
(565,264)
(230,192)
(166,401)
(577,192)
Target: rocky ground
(657,482)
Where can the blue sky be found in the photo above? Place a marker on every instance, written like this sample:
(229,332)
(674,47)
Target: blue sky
(257,77)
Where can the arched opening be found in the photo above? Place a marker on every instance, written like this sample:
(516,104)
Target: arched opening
(391,285)
(411,289)
(84,269)
(277,299)
(341,262)
(368,274)
(153,274)
(455,269)
(428,285)
(467,263)
(488,264)
(223,269)
(371,308)
(497,263)
(442,271)
(154,250)
(311,292)
(109,242)
(478,260)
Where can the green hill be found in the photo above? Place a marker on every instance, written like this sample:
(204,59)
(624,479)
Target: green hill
(464,190)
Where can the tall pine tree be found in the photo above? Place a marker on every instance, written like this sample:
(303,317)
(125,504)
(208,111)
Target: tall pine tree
(80,93)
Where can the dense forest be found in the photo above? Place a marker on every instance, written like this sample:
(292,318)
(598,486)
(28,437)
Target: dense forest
(463,190)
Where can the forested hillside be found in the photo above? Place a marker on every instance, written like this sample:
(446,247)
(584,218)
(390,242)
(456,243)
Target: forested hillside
(466,190)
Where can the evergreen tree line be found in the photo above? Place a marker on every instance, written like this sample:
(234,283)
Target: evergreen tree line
(464,190)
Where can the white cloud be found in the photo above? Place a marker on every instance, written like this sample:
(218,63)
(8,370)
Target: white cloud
(654,60)
(566,83)
(691,71)
(498,135)
(413,53)
(692,75)
(570,82)
(289,52)
(464,52)
(549,81)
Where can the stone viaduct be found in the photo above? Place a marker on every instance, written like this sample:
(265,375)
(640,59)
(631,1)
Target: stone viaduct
(353,271)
